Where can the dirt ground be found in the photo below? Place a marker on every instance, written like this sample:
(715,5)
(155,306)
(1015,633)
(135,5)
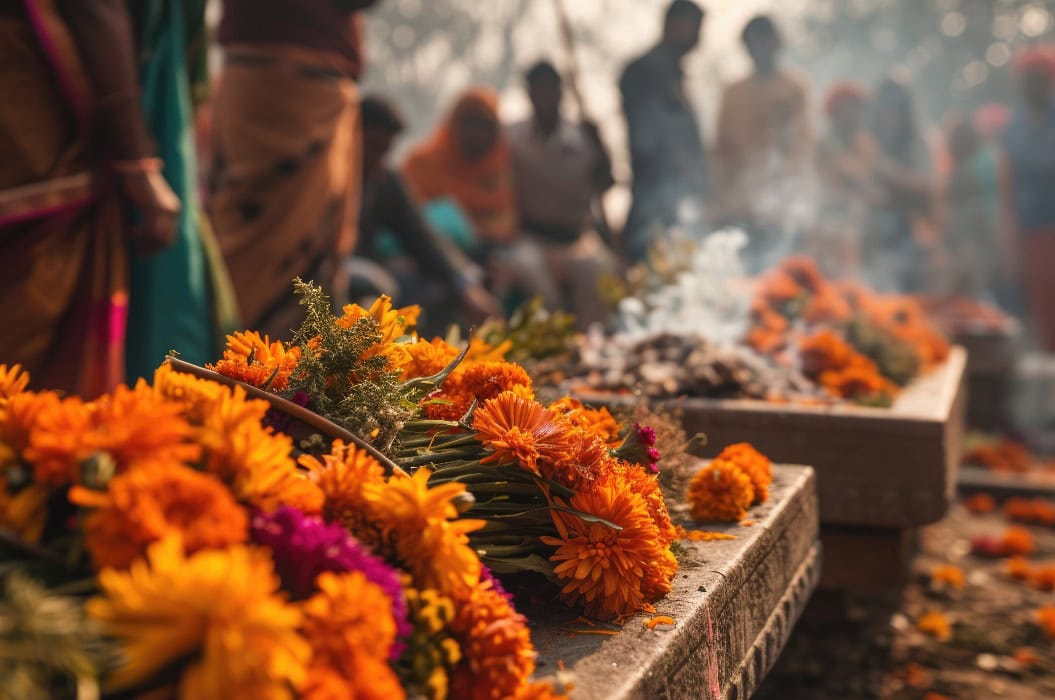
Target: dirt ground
(996,649)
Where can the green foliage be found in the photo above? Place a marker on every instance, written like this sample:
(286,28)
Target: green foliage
(896,359)
(534,332)
(356,392)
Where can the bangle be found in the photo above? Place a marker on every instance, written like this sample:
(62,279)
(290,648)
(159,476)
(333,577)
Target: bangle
(138,166)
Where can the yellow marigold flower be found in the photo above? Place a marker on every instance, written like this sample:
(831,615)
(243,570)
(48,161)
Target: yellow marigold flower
(392,323)
(601,567)
(428,358)
(497,655)
(477,381)
(948,575)
(219,607)
(482,351)
(720,492)
(256,360)
(13,380)
(936,625)
(145,505)
(753,463)
(264,474)
(430,649)
(350,628)
(419,523)
(134,427)
(25,512)
(519,432)
(341,477)
(197,396)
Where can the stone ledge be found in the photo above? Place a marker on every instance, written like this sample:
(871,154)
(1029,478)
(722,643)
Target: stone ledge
(734,602)
(893,467)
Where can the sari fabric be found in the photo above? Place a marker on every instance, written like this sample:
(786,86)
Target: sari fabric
(284,186)
(63,261)
(483,188)
(181,298)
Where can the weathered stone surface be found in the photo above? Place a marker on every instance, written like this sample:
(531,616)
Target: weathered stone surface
(867,561)
(876,467)
(991,358)
(734,603)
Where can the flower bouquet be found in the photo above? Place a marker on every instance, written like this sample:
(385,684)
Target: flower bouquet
(317,519)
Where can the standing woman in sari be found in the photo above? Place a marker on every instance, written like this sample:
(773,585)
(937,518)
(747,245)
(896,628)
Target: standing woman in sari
(181,299)
(286,170)
(75,158)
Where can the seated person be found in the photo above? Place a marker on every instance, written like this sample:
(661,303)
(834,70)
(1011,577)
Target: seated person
(422,267)
(558,169)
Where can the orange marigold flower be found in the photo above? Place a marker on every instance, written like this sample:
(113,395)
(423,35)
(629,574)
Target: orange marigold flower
(1045,617)
(1043,578)
(497,655)
(425,358)
(980,503)
(598,422)
(753,463)
(1018,568)
(342,476)
(1037,510)
(947,575)
(602,568)
(1001,456)
(517,431)
(13,380)
(542,690)
(420,524)
(350,628)
(647,486)
(25,512)
(1017,540)
(144,505)
(392,323)
(198,396)
(482,351)
(720,492)
(371,680)
(220,608)
(134,427)
(256,360)
(19,415)
(477,381)
(936,625)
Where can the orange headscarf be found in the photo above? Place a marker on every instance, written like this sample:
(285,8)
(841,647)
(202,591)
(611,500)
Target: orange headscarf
(483,188)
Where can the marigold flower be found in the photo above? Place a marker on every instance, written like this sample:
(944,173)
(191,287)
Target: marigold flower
(936,625)
(257,361)
(198,396)
(260,471)
(947,575)
(753,463)
(1018,568)
(1001,456)
(587,459)
(24,512)
(392,323)
(720,492)
(519,431)
(477,381)
(1045,617)
(597,422)
(1036,511)
(342,476)
(219,606)
(497,655)
(482,351)
(419,523)
(430,650)
(368,679)
(134,427)
(1017,540)
(351,629)
(647,486)
(601,567)
(980,503)
(13,380)
(542,690)
(19,415)
(1043,577)
(145,505)
(425,358)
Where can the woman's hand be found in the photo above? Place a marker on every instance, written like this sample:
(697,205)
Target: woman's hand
(158,207)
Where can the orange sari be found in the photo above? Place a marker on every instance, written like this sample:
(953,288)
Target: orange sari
(483,188)
(63,299)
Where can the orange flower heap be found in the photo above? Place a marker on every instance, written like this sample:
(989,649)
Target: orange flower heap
(497,655)
(720,492)
(477,381)
(841,370)
(144,505)
(753,463)
(602,568)
(519,431)
(256,360)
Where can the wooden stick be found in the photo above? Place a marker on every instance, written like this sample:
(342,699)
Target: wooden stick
(323,425)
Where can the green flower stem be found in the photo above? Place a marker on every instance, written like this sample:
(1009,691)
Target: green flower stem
(433,457)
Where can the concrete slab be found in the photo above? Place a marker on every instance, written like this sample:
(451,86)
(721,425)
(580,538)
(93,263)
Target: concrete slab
(876,467)
(734,603)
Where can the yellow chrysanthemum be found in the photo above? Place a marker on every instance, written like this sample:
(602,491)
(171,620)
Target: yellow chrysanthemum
(197,396)
(133,427)
(13,380)
(419,523)
(341,477)
(601,567)
(720,492)
(145,505)
(220,608)
(350,628)
(520,432)
(256,360)
(497,655)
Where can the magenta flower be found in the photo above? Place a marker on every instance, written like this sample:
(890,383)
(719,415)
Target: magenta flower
(638,447)
(303,547)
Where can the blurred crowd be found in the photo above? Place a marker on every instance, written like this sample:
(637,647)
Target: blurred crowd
(146,208)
